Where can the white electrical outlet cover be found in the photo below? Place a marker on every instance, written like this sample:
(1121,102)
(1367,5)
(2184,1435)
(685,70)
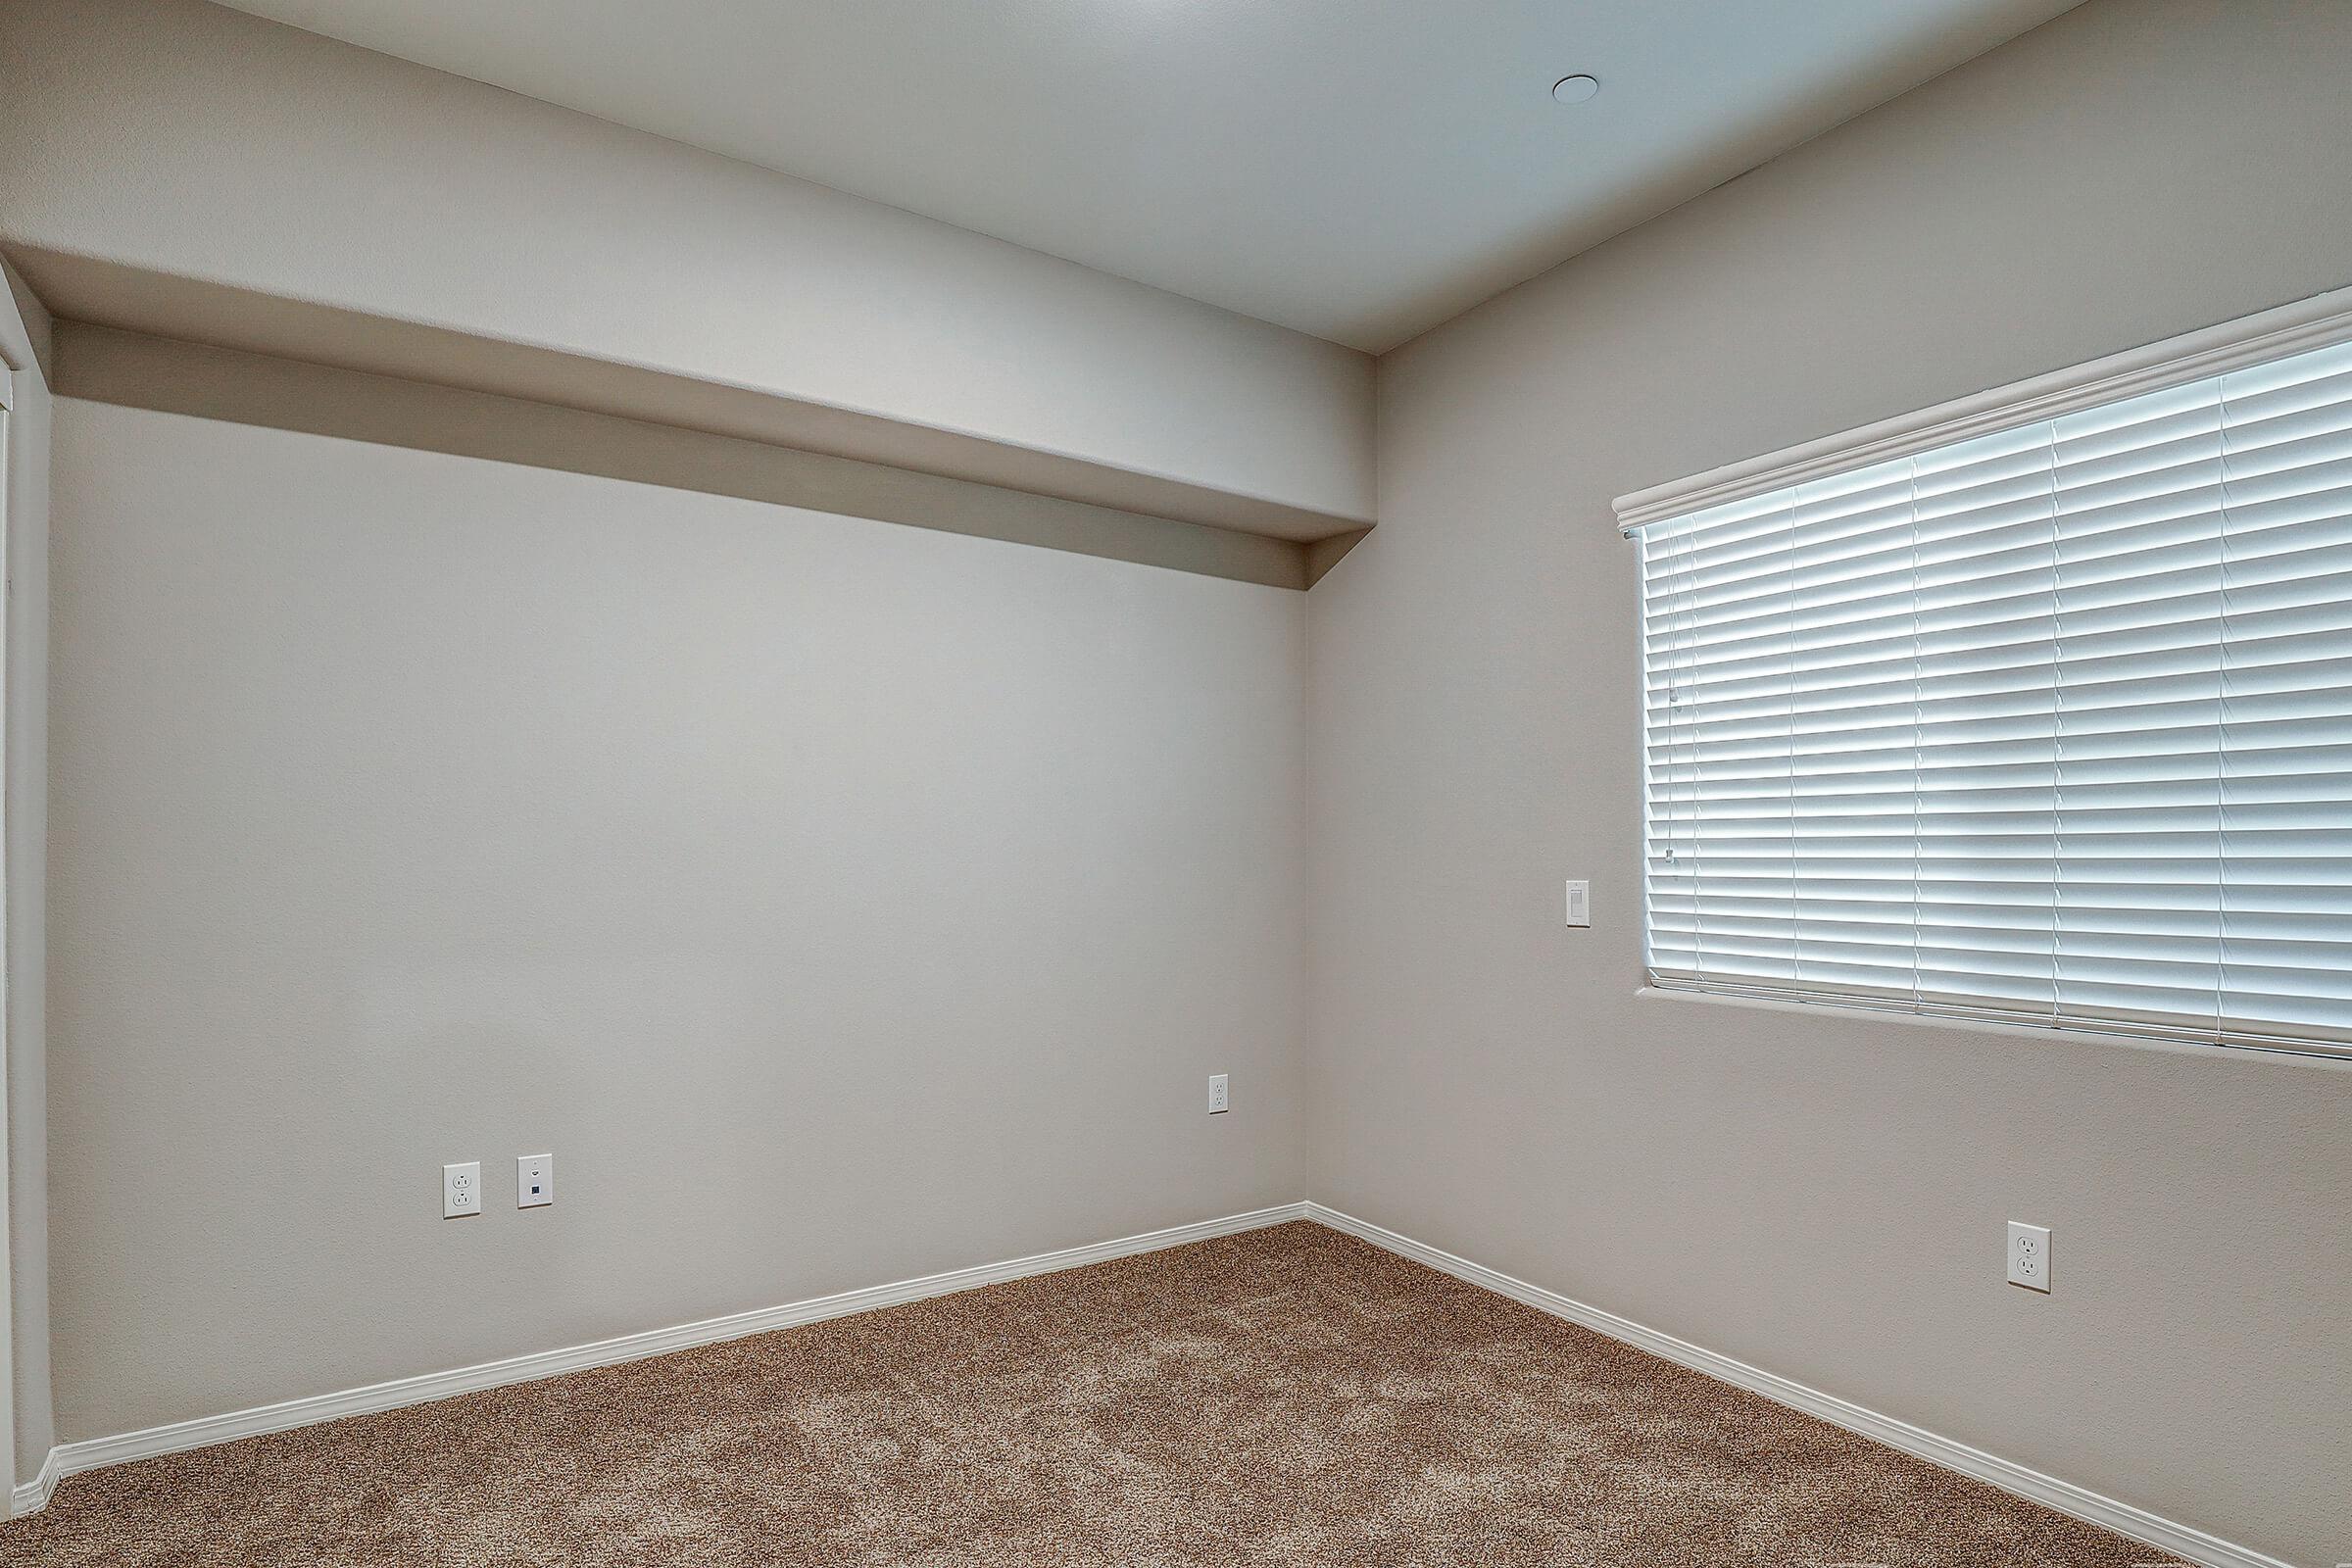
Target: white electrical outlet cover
(1216,1095)
(460,1190)
(2029,1256)
(534,1180)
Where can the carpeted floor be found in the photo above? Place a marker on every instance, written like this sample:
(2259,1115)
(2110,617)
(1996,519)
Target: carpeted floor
(1285,1397)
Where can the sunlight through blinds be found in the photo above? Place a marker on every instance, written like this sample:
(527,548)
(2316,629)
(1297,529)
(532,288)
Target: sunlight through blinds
(2049,725)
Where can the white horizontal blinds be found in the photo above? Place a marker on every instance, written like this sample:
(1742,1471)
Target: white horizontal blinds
(1853,732)
(2286,721)
(1716,699)
(2054,724)
(2141,538)
(1986,707)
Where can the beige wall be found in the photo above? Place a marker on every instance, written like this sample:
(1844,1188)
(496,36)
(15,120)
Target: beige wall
(23,334)
(1818,1193)
(182,141)
(839,901)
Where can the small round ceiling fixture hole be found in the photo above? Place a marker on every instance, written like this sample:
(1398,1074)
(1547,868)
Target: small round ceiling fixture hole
(1575,89)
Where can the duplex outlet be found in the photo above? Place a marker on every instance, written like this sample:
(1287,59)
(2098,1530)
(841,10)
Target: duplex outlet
(1216,1095)
(462,1190)
(2030,1257)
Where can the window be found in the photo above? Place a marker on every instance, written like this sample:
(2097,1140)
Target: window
(2038,712)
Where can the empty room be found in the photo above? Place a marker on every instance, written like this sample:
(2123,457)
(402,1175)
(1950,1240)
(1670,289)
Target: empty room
(1176,783)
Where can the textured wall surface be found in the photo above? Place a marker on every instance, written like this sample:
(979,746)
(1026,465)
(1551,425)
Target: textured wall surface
(1815,1192)
(840,902)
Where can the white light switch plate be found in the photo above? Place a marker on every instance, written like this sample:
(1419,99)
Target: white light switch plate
(2030,1257)
(534,1180)
(1580,902)
(460,1190)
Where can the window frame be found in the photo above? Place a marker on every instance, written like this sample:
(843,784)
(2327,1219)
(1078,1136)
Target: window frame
(2322,321)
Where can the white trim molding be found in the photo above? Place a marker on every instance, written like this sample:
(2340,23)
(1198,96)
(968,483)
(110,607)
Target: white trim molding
(2062,1496)
(34,1496)
(2312,324)
(98,1453)
(2183,1542)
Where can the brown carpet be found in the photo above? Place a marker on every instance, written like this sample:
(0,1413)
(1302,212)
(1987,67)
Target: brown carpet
(1289,1396)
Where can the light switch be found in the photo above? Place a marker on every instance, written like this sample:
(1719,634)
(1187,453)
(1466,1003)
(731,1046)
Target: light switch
(1580,902)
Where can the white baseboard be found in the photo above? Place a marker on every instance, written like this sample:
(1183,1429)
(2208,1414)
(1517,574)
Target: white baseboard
(2182,1541)
(33,1494)
(2064,1496)
(97,1453)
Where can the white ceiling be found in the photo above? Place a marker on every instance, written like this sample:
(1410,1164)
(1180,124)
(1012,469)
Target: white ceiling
(1360,170)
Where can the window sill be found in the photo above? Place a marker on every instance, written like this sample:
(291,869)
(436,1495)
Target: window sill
(2065,1034)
